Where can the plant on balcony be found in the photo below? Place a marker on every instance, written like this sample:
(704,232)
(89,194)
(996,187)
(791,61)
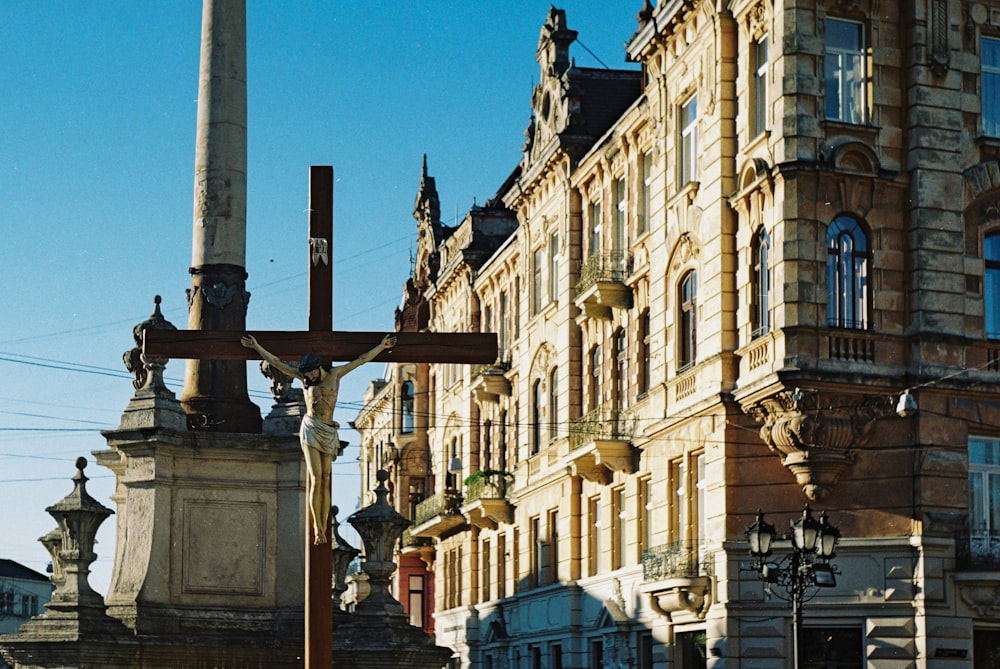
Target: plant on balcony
(487,484)
(486,474)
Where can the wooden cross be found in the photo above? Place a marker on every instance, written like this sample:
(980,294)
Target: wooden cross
(341,346)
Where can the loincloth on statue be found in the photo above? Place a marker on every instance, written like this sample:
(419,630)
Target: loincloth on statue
(320,436)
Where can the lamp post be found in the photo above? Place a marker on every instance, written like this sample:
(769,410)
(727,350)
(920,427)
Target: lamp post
(806,567)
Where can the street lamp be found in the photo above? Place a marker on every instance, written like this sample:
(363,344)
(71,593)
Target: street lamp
(805,569)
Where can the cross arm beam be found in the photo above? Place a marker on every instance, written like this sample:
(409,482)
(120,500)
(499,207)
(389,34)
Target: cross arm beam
(453,347)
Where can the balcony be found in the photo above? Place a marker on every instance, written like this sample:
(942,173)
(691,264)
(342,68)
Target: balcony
(438,515)
(422,547)
(488,381)
(486,504)
(977,575)
(676,577)
(601,287)
(601,444)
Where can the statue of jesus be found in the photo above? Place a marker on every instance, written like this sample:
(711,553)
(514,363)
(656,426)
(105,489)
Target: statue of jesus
(318,431)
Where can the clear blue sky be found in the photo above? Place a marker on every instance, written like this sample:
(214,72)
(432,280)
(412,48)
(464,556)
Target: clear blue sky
(97,120)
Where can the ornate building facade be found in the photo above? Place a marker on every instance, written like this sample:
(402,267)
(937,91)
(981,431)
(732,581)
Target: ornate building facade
(760,273)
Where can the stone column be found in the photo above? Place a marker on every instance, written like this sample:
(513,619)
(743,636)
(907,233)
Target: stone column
(215,392)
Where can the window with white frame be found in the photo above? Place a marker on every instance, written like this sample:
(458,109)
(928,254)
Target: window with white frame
(621,214)
(553,403)
(760,284)
(984,491)
(990,95)
(537,277)
(689,140)
(687,321)
(759,75)
(645,180)
(554,267)
(846,71)
(595,229)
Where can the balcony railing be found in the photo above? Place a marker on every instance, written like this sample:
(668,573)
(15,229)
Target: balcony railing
(447,503)
(977,550)
(487,487)
(602,423)
(679,559)
(604,267)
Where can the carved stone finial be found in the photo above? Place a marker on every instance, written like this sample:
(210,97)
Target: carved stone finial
(380,527)
(645,13)
(148,372)
(79,516)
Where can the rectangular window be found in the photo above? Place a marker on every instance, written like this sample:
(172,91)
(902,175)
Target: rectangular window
(623,382)
(986,648)
(594,219)
(760,66)
(621,215)
(833,647)
(645,188)
(596,654)
(552,524)
(699,512)
(537,551)
(689,141)
(554,267)
(503,322)
(537,288)
(984,499)
(501,566)
(678,500)
(846,71)
(991,285)
(594,534)
(515,562)
(991,86)
(645,367)
(416,600)
(644,505)
(618,527)
(485,572)
(691,649)
(644,656)
(536,657)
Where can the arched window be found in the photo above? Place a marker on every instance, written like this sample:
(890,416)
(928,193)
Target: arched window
(406,407)
(991,295)
(847,274)
(553,403)
(687,321)
(536,416)
(594,396)
(760,284)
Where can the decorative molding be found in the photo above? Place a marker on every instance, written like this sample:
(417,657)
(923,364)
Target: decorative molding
(816,434)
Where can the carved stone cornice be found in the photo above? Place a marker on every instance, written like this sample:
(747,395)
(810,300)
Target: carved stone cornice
(816,433)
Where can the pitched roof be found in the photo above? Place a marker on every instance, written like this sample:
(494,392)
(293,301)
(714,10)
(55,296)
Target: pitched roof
(11,569)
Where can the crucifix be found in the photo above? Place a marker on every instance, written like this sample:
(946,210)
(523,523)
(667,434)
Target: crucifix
(321,340)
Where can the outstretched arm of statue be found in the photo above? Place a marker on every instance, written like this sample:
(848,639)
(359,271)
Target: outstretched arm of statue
(250,341)
(388,341)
